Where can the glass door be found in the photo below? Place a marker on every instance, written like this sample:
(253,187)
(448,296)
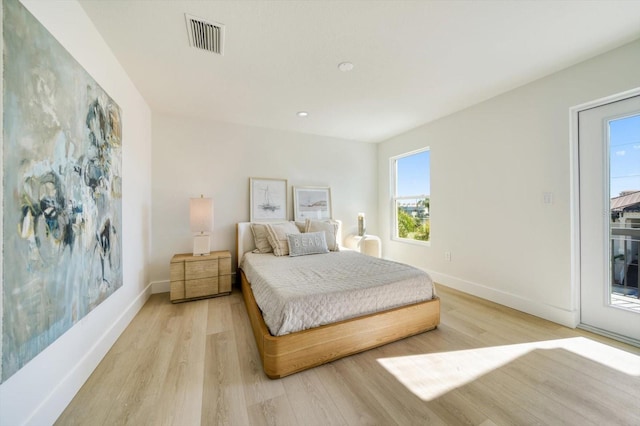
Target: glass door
(609,161)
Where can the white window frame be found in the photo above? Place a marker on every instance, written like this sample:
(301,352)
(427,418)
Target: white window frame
(393,162)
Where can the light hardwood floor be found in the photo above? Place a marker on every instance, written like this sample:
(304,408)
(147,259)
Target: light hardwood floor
(197,363)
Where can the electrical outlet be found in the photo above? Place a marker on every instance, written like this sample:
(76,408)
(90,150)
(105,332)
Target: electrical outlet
(447,256)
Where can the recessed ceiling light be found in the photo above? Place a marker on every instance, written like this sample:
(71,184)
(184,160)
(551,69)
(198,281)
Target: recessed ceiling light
(345,66)
(302,113)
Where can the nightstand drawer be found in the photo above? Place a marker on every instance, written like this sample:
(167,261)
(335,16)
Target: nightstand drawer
(177,289)
(177,271)
(224,265)
(201,287)
(224,283)
(200,269)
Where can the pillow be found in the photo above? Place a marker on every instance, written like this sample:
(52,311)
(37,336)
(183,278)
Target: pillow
(277,236)
(259,231)
(308,243)
(330,228)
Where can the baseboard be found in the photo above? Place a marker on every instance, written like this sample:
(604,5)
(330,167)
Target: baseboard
(52,406)
(160,286)
(555,314)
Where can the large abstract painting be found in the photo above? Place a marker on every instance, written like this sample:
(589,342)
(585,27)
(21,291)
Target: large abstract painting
(62,191)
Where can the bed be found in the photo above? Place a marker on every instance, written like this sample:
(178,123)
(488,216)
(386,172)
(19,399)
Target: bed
(299,350)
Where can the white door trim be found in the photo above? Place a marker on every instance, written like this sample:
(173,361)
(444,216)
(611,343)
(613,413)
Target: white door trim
(574,180)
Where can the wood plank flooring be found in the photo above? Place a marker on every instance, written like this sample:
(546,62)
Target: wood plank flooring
(197,363)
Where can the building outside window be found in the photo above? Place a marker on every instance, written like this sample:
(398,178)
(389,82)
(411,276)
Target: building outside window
(411,199)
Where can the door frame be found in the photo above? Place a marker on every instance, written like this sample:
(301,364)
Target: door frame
(574,135)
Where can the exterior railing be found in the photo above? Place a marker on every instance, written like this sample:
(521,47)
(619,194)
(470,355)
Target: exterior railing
(625,243)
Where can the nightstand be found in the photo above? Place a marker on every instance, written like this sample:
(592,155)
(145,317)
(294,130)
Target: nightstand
(197,277)
(366,244)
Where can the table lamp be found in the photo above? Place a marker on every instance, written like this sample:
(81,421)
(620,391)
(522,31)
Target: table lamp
(201,217)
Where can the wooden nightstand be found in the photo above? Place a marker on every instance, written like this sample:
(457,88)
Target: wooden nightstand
(196,277)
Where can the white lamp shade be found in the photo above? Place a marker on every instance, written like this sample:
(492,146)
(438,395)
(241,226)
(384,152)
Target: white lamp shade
(201,214)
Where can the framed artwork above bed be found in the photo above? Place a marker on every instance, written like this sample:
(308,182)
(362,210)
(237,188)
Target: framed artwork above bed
(267,199)
(311,202)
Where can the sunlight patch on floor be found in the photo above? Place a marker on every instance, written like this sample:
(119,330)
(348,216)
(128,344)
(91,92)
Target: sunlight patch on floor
(429,376)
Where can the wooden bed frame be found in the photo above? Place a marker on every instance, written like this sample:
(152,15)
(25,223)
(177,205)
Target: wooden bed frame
(294,352)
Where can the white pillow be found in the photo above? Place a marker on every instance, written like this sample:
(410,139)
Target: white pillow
(277,236)
(259,231)
(330,228)
(307,243)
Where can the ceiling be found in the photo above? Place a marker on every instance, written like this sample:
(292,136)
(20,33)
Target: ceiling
(414,61)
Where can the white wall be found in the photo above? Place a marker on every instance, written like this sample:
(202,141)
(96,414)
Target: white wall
(39,392)
(491,164)
(193,157)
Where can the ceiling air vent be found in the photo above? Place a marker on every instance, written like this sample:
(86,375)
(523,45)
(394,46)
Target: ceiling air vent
(205,35)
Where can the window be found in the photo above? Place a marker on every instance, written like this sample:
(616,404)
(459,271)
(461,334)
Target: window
(411,178)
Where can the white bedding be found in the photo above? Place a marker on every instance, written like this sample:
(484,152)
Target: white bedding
(298,293)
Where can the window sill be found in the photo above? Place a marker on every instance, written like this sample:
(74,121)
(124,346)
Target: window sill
(412,242)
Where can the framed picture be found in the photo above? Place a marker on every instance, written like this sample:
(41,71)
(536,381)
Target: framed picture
(268,199)
(311,202)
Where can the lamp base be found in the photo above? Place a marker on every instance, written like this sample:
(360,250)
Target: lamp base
(201,245)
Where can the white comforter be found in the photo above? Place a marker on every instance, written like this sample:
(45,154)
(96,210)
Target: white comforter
(297,293)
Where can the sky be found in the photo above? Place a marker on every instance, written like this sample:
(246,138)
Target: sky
(414,174)
(624,140)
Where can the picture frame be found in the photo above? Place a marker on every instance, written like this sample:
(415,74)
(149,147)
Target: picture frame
(312,202)
(268,199)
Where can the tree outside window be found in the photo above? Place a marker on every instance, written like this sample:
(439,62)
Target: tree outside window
(411,197)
